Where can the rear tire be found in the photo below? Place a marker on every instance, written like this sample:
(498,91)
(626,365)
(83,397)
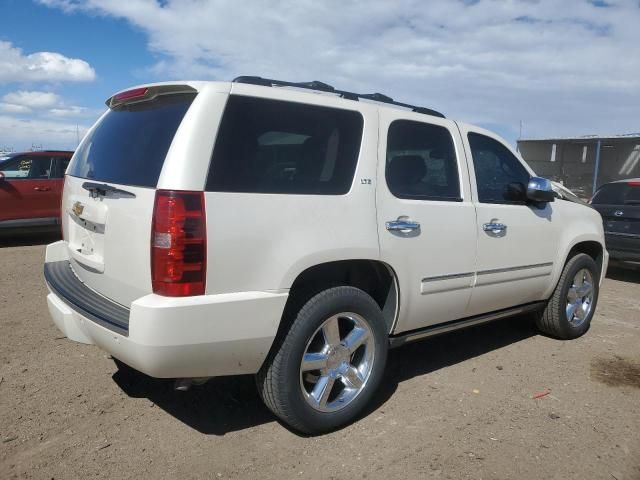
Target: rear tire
(572,305)
(323,371)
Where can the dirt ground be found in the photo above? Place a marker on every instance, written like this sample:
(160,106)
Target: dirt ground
(456,406)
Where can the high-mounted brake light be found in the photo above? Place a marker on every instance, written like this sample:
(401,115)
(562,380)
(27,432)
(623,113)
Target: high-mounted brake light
(635,184)
(131,94)
(147,94)
(178,244)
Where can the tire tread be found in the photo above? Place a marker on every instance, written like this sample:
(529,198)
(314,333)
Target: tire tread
(270,381)
(552,319)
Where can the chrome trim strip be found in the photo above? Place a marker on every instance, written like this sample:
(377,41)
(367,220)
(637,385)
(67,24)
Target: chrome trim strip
(401,339)
(447,277)
(526,277)
(513,269)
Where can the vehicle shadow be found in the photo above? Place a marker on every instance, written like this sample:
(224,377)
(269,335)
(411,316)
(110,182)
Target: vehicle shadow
(228,404)
(622,274)
(23,239)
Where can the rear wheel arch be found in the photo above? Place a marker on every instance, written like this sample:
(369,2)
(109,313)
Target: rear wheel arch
(374,277)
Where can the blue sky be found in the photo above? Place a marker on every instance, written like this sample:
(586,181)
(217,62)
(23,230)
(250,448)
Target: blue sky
(563,67)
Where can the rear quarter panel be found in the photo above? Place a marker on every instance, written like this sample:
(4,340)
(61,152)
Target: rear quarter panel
(264,241)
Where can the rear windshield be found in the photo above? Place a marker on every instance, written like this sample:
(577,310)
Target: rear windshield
(130,143)
(272,146)
(618,194)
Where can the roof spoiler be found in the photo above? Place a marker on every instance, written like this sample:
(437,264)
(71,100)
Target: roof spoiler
(145,94)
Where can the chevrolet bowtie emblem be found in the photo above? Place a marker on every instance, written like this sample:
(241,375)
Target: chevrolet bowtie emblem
(77,208)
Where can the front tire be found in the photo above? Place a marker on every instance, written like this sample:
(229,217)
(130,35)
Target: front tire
(323,371)
(570,309)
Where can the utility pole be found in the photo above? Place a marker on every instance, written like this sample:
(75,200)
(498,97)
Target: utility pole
(520,137)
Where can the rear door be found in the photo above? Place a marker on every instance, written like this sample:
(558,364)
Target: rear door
(27,191)
(110,189)
(619,205)
(426,219)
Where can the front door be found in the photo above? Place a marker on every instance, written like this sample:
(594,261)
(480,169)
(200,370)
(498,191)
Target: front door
(426,219)
(517,241)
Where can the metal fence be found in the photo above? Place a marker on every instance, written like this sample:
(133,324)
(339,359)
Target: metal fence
(584,163)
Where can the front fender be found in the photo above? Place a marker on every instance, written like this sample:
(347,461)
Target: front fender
(579,224)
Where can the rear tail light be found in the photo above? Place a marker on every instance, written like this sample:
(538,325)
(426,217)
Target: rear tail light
(178,244)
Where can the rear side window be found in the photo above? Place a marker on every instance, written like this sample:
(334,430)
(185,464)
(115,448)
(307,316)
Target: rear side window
(130,143)
(618,194)
(421,162)
(272,146)
(61,166)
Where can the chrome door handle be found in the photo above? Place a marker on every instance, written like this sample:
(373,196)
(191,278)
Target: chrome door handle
(402,226)
(495,228)
(42,189)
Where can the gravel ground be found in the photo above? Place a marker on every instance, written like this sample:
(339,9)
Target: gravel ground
(457,406)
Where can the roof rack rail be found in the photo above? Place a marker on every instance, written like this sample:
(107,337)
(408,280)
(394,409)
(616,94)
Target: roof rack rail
(324,87)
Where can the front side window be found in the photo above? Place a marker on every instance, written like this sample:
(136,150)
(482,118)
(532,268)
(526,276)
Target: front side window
(272,146)
(26,167)
(500,177)
(421,162)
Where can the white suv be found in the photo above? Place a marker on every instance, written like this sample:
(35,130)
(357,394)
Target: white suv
(296,232)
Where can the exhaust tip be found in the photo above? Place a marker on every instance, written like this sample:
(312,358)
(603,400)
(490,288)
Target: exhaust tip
(184,384)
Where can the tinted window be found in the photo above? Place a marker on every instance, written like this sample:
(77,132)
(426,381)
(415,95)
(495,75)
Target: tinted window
(500,177)
(26,167)
(271,146)
(61,164)
(130,143)
(421,162)
(618,194)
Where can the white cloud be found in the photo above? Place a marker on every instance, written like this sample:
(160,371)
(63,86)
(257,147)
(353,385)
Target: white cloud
(562,66)
(11,108)
(15,66)
(71,111)
(32,99)
(28,132)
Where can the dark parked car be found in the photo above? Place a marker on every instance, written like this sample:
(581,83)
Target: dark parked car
(619,205)
(31,189)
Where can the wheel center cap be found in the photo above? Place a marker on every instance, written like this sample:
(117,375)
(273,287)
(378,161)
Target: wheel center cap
(336,356)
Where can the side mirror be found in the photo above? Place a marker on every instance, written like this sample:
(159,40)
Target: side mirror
(540,190)
(1,177)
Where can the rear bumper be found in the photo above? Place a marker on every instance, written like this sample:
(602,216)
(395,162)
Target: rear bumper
(208,335)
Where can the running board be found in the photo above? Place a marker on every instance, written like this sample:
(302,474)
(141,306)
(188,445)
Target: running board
(413,335)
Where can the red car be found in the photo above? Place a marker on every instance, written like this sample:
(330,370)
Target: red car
(31,188)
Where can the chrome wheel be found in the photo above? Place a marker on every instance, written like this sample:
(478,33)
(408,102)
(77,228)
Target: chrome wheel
(337,362)
(580,298)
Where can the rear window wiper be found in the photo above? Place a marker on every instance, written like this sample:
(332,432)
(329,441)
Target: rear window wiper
(632,202)
(102,189)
